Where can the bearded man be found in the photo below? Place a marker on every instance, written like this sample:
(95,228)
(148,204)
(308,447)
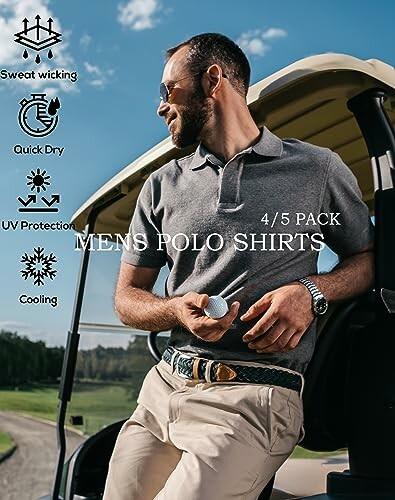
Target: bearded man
(222,410)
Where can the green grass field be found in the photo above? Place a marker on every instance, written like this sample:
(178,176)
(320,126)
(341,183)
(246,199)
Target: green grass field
(300,452)
(5,442)
(99,403)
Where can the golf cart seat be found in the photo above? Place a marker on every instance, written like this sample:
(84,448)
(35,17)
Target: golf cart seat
(326,387)
(86,470)
(326,390)
(324,400)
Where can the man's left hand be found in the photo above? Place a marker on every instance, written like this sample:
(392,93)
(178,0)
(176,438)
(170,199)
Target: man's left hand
(287,315)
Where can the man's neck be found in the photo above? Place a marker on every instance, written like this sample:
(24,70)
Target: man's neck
(230,133)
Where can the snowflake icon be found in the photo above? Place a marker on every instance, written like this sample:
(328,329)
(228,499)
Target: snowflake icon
(38,266)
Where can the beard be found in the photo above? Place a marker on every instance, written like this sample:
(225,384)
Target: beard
(192,117)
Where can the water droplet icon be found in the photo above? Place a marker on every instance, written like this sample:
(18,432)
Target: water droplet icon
(25,54)
(50,54)
(38,59)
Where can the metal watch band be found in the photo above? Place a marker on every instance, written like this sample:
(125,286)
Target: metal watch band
(320,304)
(312,288)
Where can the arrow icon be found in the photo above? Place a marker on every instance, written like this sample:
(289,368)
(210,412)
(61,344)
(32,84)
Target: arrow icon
(55,199)
(38,26)
(50,21)
(25,22)
(32,198)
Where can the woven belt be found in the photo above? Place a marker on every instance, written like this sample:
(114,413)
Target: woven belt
(196,368)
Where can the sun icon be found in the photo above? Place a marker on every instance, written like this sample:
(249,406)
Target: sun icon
(38,180)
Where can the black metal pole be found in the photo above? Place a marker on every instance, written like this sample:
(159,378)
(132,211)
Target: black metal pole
(70,357)
(153,347)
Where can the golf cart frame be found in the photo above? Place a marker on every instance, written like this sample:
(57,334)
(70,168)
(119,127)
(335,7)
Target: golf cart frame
(348,105)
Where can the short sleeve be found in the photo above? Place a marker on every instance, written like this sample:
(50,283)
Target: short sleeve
(351,230)
(143,244)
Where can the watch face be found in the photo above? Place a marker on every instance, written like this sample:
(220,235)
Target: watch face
(321,306)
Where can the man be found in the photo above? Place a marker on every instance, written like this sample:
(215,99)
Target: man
(222,410)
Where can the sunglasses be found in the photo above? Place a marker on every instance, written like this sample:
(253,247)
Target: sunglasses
(165,89)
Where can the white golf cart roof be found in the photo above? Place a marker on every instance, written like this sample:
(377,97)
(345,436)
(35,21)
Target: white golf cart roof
(306,100)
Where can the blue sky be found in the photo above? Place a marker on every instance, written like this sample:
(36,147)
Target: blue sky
(107,117)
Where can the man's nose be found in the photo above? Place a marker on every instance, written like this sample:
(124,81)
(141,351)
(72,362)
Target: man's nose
(163,108)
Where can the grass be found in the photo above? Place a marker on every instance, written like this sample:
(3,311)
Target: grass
(99,403)
(5,442)
(300,452)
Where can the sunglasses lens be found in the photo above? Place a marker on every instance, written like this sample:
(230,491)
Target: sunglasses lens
(164,94)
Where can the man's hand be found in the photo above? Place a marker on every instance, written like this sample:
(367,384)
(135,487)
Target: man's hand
(189,311)
(287,315)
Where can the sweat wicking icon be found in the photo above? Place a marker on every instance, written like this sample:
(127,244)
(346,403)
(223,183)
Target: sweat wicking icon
(38,37)
(38,266)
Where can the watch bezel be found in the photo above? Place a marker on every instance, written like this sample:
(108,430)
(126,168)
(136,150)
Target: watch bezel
(320,305)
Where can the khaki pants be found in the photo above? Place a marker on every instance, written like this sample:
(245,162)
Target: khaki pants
(193,440)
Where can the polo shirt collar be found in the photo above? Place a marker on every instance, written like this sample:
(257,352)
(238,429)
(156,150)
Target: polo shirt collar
(201,156)
(268,145)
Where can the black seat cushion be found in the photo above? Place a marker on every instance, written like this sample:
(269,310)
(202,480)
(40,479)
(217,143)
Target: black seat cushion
(326,379)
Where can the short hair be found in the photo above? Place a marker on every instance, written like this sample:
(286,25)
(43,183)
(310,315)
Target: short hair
(213,48)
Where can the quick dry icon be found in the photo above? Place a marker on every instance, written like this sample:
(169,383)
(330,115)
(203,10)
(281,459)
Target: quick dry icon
(38,117)
(38,37)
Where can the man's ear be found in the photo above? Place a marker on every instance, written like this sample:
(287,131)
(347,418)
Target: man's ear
(212,79)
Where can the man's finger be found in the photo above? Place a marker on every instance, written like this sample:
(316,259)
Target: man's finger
(269,337)
(202,300)
(293,341)
(212,329)
(262,325)
(230,316)
(232,313)
(257,308)
(277,346)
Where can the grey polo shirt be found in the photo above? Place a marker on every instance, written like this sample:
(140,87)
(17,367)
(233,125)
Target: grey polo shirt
(245,228)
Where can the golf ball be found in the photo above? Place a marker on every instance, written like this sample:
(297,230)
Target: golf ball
(216,307)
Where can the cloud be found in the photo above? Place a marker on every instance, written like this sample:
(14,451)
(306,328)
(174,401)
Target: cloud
(51,338)
(99,77)
(273,33)
(256,42)
(253,45)
(85,41)
(139,15)
(12,12)
(12,326)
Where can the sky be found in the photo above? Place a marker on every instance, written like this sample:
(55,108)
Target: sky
(108,117)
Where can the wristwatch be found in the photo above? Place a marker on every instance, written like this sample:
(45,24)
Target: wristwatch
(320,304)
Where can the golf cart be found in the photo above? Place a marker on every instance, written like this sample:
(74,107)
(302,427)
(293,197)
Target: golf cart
(348,105)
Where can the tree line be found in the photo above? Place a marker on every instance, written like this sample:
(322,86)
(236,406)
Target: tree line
(23,361)
(116,363)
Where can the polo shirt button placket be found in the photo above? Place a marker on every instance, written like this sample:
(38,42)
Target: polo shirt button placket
(229,192)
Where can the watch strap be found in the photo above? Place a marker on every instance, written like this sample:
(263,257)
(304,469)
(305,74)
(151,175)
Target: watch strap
(312,288)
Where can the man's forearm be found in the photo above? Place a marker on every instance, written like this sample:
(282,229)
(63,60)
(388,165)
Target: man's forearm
(144,310)
(351,277)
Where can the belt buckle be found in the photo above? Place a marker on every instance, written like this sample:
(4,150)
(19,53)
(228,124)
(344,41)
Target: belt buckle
(223,373)
(185,356)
